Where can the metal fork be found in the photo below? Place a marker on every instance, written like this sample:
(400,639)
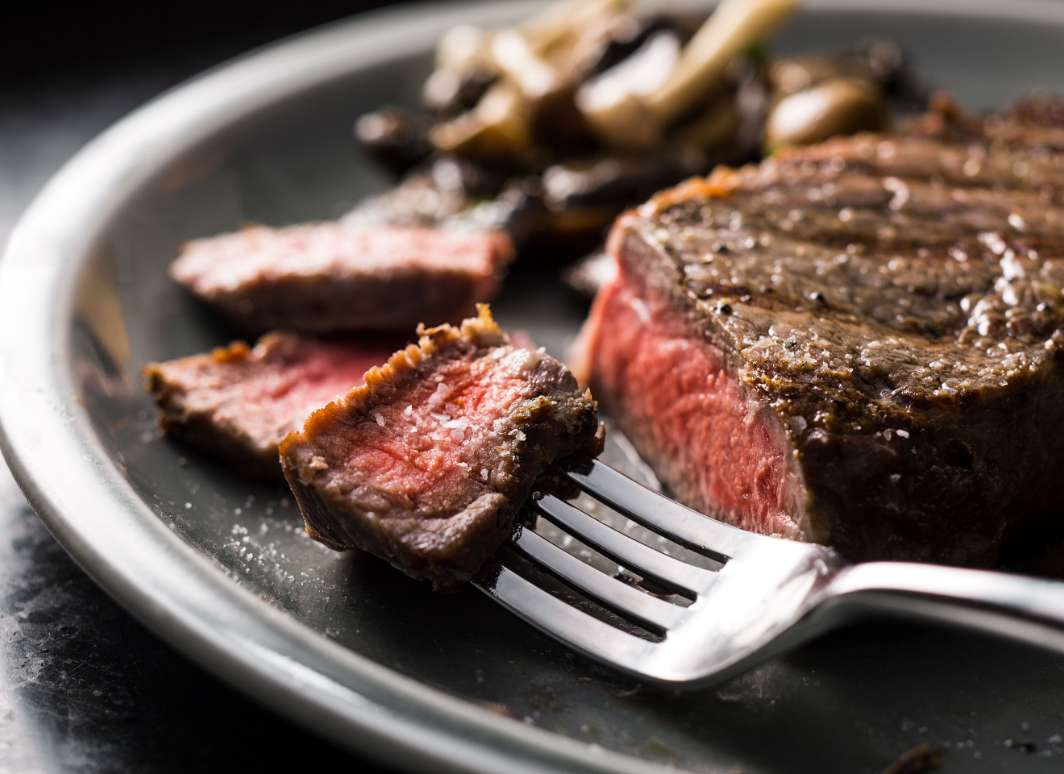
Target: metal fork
(767,595)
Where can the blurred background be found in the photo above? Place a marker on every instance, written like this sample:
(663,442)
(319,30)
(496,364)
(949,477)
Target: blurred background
(83,686)
(68,70)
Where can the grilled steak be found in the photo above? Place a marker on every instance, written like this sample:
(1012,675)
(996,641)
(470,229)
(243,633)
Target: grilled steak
(323,277)
(427,464)
(238,403)
(857,343)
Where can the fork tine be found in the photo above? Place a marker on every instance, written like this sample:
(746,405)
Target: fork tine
(657,614)
(623,549)
(667,517)
(564,622)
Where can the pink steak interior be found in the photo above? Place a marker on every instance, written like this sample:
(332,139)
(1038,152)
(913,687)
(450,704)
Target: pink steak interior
(670,392)
(431,444)
(273,398)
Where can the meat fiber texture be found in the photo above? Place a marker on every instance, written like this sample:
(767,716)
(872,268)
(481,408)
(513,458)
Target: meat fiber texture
(238,403)
(857,343)
(428,463)
(328,277)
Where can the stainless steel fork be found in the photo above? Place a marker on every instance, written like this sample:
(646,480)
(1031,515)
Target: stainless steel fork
(764,597)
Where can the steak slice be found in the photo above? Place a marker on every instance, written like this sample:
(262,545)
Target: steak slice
(857,344)
(428,463)
(326,277)
(238,403)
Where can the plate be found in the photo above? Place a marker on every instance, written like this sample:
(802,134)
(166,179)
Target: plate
(341,643)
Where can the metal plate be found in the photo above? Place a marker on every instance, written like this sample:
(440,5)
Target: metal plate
(341,643)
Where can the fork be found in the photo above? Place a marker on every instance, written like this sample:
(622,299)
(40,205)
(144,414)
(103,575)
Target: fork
(763,597)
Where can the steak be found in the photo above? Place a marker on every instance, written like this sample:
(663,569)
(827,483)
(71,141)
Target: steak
(327,277)
(428,463)
(857,343)
(238,403)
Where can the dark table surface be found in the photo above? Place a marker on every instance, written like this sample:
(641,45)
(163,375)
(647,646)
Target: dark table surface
(83,686)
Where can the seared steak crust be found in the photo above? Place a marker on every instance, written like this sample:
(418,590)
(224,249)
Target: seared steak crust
(427,464)
(892,306)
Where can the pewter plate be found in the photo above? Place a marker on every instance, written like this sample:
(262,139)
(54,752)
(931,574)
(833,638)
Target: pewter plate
(341,643)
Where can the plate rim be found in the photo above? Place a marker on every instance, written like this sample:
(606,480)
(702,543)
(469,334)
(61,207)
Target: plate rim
(171,587)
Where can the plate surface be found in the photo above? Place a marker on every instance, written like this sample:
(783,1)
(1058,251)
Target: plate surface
(341,643)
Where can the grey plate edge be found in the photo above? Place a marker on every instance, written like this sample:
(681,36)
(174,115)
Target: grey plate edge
(81,496)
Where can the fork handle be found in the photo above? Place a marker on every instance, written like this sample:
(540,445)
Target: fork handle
(1013,606)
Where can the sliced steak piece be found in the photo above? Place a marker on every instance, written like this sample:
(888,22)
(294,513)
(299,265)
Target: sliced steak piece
(857,344)
(427,465)
(238,403)
(325,277)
